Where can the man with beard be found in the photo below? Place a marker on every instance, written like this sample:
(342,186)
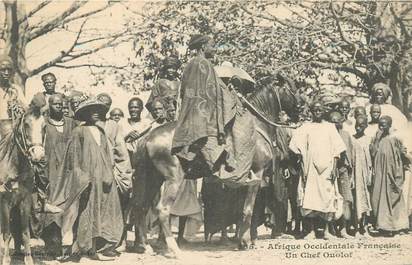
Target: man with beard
(58,131)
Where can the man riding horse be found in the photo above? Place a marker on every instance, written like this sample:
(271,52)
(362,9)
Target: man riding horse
(204,137)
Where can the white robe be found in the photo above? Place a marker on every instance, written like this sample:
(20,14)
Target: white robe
(319,144)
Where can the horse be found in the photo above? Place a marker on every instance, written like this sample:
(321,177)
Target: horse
(21,154)
(156,166)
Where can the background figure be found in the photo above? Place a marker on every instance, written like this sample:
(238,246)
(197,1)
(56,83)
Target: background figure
(362,176)
(344,179)
(389,157)
(116,114)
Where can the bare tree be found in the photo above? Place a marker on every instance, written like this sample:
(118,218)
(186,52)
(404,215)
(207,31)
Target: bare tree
(17,30)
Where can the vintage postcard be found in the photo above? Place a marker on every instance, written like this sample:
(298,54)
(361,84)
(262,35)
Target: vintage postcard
(205,132)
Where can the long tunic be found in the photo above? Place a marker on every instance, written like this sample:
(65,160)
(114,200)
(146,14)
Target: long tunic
(319,144)
(87,184)
(388,204)
(55,144)
(361,174)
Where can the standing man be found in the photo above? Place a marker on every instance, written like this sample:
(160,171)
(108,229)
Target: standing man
(122,169)
(89,181)
(58,131)
(318,186)
(135,126)
(389,160)
(49,84)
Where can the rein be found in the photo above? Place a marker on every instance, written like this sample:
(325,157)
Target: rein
(263,116)
(19,138)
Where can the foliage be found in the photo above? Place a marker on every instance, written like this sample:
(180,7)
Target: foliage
(354,44)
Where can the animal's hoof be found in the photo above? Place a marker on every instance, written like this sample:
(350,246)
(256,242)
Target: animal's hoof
(140,249)
(28,260)
(242,245)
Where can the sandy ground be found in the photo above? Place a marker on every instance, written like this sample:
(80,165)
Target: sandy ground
(374,251)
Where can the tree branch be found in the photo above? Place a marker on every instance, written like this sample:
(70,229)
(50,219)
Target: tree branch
(90,65)
(88,14)
(272,18)
(35,10)
(47,27)
(61,56)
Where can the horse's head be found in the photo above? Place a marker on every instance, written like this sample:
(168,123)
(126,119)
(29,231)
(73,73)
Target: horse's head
(274,101)
(29,136)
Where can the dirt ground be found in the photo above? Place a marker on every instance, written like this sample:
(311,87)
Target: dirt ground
(376,251)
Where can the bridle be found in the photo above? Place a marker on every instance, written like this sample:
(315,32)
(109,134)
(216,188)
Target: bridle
(20,139)
(263,117)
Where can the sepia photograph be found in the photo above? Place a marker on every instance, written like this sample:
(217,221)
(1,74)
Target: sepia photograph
(205,132)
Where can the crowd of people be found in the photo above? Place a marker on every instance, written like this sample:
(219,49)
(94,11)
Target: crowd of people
(345,169)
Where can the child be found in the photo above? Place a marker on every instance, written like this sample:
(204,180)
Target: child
(361,175)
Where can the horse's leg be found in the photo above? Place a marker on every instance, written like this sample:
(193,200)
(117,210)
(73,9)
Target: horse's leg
(5,228)
(25,212)
(167,198)
(140,230)
(15,230)
(244,230)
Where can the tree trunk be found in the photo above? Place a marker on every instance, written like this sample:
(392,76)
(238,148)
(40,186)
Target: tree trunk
(15,38)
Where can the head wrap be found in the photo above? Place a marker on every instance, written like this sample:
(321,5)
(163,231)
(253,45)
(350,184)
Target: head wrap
(384,87)
(38,101)
(197,40)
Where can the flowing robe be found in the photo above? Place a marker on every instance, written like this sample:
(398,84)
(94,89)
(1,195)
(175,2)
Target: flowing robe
(388,204)
(319,144)
(87,191)
(361,174)
(207,107)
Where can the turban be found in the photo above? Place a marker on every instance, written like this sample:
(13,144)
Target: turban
(384,87)
(38,101)
(197,40)
(171,62)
